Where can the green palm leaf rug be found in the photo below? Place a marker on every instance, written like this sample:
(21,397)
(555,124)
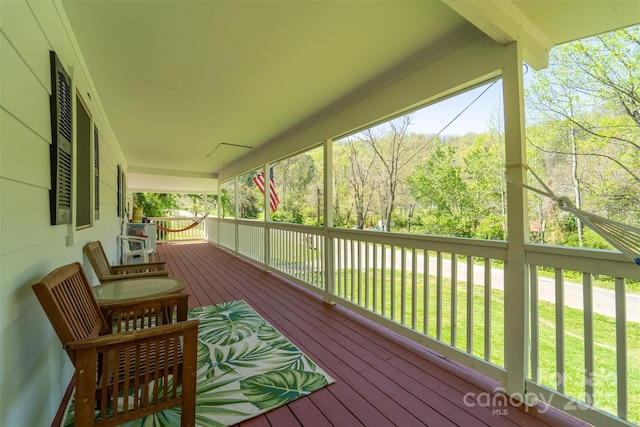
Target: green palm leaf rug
(245,368)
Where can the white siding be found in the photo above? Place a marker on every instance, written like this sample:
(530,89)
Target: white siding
(35,370)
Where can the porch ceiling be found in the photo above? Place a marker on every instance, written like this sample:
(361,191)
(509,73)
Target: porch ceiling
(187,85)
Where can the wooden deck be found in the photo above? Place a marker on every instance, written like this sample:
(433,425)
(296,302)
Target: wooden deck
(381,379)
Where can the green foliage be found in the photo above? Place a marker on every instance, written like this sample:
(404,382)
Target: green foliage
(228,200)
(438,183)
(585,137)
(491,227)
(251,203)
(155,204)
(457,201)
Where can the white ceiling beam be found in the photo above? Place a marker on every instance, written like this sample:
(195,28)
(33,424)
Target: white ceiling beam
(504,22)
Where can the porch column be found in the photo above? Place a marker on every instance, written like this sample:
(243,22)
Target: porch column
(236,215)
(205,205)
(267,215)
(218,210)
(516,282)
(328,222)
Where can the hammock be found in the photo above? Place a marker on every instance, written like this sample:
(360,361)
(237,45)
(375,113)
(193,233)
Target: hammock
(188,227)
(623,237)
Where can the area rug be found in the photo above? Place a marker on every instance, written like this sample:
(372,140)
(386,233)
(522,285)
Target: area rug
(245,368)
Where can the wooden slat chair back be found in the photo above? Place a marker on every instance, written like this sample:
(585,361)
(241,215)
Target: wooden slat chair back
(143,349)
(68,301)
(107,272)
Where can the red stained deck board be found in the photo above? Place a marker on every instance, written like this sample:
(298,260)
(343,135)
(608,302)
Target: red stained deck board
(308,413)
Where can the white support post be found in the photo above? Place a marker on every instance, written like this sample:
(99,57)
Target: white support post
(236,210)
(218,211)
(328,275)
(516,283)
(267,214)
(205,206)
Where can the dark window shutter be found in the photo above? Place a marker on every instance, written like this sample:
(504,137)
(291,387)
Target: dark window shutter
(119,185)
(61,146)
(96,171)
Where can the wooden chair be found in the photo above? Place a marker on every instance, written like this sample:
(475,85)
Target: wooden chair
(106,272)
(143,349)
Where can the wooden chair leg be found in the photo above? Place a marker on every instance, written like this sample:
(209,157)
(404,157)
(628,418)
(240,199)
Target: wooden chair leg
(189,360)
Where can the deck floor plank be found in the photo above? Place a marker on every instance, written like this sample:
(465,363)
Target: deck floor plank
(381,379)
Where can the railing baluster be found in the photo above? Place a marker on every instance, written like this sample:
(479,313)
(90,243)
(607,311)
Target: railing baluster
(345,262)
(454,298)
(426,280)
(560,370)
(359,255)
(306,265)
(621,347)
(470,304)
(338,265)
(352,268)
(487,309)
(289,248)
(414,288)
(534,323)
(299,258)
(367,294)
(285,251)
(383,278)
(277,253)
(587,299)
(403,285)
(393,282)
(375,278)
(439,297)
(316,254)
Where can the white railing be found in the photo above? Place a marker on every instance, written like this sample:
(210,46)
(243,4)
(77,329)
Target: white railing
(410,284)
(178,229)
(580,359)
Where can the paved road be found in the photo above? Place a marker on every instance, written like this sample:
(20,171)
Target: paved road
(603,299)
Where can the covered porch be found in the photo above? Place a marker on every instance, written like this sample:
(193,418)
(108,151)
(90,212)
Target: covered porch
(186,96)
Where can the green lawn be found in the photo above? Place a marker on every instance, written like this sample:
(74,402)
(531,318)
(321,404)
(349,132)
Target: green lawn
(604,377)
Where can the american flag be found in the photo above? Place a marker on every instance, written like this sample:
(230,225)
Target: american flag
(273,196)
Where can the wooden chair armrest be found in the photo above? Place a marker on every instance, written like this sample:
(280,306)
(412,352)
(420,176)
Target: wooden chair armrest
(135,360)
(128,276)
(133,336)
(138,268)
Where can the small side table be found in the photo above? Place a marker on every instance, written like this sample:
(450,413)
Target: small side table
(131,289)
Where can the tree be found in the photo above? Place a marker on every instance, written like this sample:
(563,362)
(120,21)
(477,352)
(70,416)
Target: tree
(601,75)
(155,205)
(608,69)
(358,176)
(293,176)
(589,96)
(395,149)
(250,203)
(484,176)
(439,186)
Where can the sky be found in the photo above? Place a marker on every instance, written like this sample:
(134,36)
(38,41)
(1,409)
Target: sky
(476,118)
(432,119)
